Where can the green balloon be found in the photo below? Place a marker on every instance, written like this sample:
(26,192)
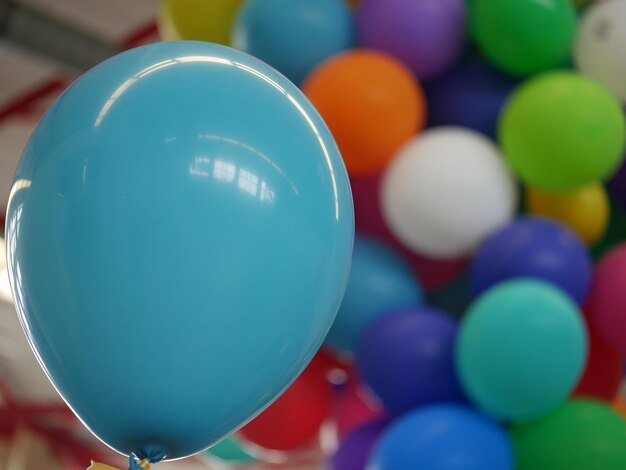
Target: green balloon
(580,435)
(229,450)
(523,37)
(561,130)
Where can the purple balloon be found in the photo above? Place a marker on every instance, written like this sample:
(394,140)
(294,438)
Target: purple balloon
(427,35)
(354,450)
(407,359)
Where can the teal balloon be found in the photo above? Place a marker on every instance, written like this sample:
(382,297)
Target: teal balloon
(229,450)
(521,349)
(179,238)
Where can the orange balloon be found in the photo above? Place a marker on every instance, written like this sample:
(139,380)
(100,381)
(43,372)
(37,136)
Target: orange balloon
(372,104)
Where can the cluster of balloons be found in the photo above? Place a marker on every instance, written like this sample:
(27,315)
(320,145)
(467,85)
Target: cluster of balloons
(180,230)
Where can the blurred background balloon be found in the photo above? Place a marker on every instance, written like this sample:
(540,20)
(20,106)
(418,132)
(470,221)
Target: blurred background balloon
(443,437)
(354,450)
(380,280)
(499,372)
(532,247)
(600,49)
(427,35)
(437,210)
(471,95)
(293,422)
(407,358)
(200,20)
(523,37)
(293,36)
(561,130)
(585,210)
(371,103)
(579,435)
(607,299)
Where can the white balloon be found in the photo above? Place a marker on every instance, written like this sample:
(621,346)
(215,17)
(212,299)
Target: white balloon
(600,50)
(447,190)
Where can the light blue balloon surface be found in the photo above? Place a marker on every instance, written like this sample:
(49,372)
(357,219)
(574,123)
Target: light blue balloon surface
(294,35)
(179,239)
(380,281)
(521,349)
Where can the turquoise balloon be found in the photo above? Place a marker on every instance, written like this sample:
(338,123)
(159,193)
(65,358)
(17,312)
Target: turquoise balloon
(294,36)
(229,450)
(179,238)
(521,349)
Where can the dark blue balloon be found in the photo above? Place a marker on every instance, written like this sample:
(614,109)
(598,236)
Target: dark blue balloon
(443,437)
(407,359)
(354,450)
(536,248)
(470,95)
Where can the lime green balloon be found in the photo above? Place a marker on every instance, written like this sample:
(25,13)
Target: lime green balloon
(523,37)
(561,130)
(204,20)
(580,435)
(229,450)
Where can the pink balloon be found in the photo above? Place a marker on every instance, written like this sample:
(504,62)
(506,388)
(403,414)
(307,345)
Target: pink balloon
(432,273)
(606,303)
(354,407)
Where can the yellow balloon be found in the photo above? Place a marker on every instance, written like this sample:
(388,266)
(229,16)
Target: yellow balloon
(585,210)
(204,20)
(165,25)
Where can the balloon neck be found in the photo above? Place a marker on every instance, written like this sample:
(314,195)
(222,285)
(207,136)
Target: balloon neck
(133,465)
(143,465)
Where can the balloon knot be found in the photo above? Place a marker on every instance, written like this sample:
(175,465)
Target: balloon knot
(143,465)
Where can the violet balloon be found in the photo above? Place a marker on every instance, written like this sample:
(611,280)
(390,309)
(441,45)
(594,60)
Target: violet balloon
(353,453)
(407,359)
(427,35)
(537,248)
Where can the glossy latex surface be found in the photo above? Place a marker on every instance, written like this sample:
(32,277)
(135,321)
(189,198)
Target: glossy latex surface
(179,238)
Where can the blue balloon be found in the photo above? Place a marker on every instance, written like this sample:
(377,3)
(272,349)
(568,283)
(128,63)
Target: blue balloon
(537,248)
(294,35)
(443,437)
(471,95)
(179,238)
(380,281)
(407,359)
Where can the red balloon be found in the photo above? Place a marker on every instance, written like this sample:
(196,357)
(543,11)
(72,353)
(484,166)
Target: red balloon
(604,370)
(432,273)
(606,303)
(294,420)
